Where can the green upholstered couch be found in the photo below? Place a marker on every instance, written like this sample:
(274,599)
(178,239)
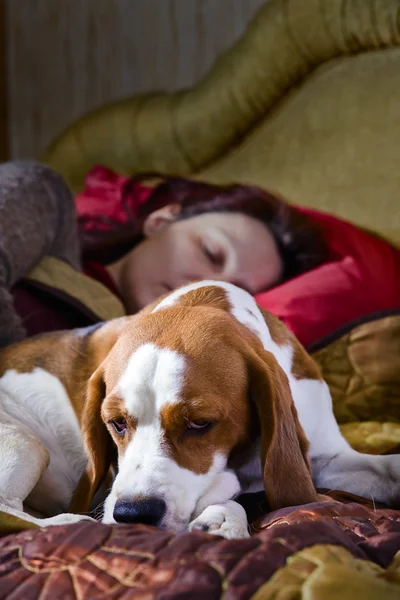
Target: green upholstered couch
(306,103)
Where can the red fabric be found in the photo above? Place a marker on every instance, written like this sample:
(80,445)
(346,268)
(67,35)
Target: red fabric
(102,199)
(361,277)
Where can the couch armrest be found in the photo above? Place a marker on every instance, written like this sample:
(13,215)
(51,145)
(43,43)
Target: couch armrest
(130,136)
(183,132)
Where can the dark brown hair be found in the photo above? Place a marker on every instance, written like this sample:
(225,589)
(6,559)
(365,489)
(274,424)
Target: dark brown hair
(299,240)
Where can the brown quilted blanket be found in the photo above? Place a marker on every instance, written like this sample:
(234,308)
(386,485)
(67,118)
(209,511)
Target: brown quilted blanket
(346,549)
(319,551)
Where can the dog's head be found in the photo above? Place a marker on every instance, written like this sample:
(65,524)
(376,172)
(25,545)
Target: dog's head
(182,391)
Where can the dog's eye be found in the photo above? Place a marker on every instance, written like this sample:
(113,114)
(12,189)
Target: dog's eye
(119,425)
(200,424)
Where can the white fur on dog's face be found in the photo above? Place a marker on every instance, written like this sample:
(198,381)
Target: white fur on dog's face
(151,385)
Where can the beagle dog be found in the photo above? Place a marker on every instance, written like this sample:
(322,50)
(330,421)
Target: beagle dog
(197,398)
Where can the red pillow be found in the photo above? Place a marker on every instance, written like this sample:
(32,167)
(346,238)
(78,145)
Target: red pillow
(362,277)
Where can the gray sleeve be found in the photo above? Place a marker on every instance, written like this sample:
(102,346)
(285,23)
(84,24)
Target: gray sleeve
(37,218)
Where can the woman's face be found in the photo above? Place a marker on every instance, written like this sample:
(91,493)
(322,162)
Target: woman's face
(222,246)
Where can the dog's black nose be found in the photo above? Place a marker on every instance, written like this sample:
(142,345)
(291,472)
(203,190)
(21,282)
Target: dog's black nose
(148,511)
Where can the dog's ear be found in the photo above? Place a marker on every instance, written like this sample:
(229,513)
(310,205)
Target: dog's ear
(284,446)
(98,444)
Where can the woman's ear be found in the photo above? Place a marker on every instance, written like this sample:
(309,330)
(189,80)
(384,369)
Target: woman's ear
(158,220)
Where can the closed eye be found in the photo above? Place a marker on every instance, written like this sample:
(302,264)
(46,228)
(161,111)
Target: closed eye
(214,256)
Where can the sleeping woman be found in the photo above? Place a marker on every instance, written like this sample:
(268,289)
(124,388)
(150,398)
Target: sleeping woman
(141,237)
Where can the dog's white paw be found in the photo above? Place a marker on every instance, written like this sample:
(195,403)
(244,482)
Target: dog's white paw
(228,520)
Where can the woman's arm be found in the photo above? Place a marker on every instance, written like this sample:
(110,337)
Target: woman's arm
(37,218)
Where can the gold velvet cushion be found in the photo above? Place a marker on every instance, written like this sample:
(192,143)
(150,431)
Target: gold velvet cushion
(328,572)
(362,370)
